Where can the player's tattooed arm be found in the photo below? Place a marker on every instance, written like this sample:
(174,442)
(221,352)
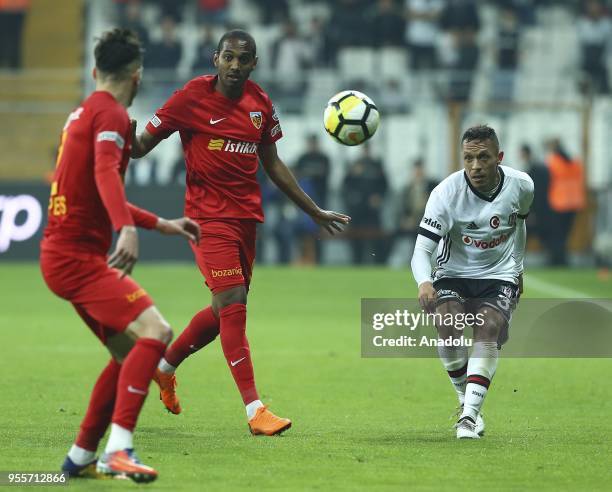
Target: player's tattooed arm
(142,144)
(282,177)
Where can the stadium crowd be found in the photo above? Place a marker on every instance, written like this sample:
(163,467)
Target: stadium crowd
(456,37)
(442,44)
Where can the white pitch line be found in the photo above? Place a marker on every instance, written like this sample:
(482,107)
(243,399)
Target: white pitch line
(555,289)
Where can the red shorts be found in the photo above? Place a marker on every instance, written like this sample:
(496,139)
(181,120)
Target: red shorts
(226,252)
(106,302)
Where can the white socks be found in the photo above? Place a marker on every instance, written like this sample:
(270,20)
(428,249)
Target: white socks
(164,367)
(481,369)
(252,407)
(81,456)
(454,360)
(120,438)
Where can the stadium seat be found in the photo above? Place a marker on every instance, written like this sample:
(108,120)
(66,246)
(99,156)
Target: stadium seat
(392,63)
(357,64)
(323,83)
(243,13)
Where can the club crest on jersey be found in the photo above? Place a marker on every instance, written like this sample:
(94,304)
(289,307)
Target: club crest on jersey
(494,222)
(256,119)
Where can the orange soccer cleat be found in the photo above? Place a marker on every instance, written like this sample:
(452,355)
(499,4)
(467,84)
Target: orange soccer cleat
(125,464)
(266,423)
(167,391)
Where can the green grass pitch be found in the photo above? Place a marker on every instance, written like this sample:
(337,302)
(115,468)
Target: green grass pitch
(377,424)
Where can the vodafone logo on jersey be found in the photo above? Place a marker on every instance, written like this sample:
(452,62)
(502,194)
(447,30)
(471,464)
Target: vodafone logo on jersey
(20,218)
(484,244)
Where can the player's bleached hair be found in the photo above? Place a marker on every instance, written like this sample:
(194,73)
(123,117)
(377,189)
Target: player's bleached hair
(480,133)
(238,34)
(116,51)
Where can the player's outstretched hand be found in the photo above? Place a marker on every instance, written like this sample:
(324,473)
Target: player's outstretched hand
(332,221)
(181,227)
(125,255)
(427,297)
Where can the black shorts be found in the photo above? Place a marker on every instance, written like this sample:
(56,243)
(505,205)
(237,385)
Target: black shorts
(473,293)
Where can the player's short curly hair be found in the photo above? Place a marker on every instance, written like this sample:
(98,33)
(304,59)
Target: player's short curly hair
(238,34)
(116,50)
(480,133)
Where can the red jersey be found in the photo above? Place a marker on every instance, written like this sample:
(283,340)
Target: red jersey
(87,196)
(220,138)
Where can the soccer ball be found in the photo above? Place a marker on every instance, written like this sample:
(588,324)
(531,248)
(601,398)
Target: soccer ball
(351,117)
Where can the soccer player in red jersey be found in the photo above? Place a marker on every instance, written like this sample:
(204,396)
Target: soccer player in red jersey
(227,123)
(87,202)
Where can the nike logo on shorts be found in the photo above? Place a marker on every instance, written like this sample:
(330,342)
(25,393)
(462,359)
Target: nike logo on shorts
(131,389)
(214,122)
(236,362)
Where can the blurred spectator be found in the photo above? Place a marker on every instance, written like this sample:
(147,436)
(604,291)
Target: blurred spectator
(12,17)
(566,196)
(460,15)
(314,166)
(213,11)
(507,39)
(290,56)
(422,32)
(166,53)
(318,41)
(410,205)
(172,8)
(523,9)
(132,19)
(278,228)
(391,99)
(595,34)
(461,21)
(540,214)
(507,55)
(387,24)
(348,25)
(273,11)
(312,170)
(466,61)
(162,61)
(364,189)
(120,7)
(205,52)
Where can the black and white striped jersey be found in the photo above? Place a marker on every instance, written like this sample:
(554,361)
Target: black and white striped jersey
(475,232)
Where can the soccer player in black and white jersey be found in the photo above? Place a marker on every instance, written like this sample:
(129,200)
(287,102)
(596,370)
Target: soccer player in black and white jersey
(475,221)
